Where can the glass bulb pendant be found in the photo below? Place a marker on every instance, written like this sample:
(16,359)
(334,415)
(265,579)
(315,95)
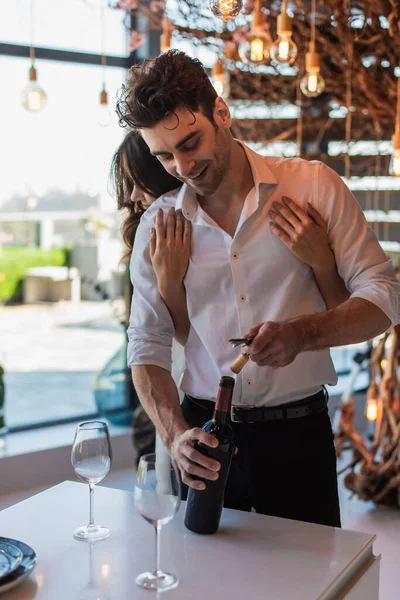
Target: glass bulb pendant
(255,50)
(312,84)
(33,97)
(284,50)
(226,9)
(220,78)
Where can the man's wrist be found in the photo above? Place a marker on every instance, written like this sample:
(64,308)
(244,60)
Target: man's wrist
(176,430)
(307,332)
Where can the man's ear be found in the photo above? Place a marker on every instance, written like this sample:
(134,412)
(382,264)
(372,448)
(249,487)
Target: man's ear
(222,115)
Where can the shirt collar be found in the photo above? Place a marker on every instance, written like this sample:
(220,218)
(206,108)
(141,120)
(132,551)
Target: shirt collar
(187,202)
(263,176)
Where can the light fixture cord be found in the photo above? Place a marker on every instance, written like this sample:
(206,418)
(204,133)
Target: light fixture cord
(103,41)
(299,123)
(378,161)
(32,33)
(348,105)
(314,10)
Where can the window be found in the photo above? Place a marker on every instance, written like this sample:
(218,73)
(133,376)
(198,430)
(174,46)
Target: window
(63,359)
(64,24)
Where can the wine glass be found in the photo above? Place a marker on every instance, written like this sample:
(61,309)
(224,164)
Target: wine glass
(157,497)
(91,459)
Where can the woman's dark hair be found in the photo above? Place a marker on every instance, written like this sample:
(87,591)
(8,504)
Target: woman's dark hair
(133,164)
(158,87)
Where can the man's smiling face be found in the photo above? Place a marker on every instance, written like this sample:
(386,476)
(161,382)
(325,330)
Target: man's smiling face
(191,148)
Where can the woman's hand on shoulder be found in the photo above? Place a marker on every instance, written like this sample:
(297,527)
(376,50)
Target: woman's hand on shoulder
(170,245)
(303,232)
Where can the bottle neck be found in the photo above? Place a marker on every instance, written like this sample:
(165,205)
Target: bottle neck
(223,405)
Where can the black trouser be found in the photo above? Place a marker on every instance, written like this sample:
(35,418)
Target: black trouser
(284,468)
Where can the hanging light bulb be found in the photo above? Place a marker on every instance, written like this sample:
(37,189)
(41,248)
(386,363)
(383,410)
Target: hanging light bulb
(103,116)
(255,50)
(284,50)
(312,84)
(166,36)
(220,79)
(394,166)
(226,9)
(33,97)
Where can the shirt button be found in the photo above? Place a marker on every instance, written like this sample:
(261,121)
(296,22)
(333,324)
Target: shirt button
(243,298)
(249,382)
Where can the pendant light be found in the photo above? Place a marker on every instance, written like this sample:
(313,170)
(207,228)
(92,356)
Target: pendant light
(166,35)
(226,9)
(394,166)
(220,79)
(284,50)
(312,84)
(33,97)
(255,50)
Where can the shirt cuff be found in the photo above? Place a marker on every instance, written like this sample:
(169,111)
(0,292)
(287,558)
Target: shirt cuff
(141,352)
(388,305)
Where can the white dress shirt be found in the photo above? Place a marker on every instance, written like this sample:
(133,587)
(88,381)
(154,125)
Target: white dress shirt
(235,283)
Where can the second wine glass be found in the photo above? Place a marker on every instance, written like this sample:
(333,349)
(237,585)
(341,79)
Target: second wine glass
(91,459)
(157,497)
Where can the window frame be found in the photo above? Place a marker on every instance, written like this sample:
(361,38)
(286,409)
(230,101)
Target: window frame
(69,56)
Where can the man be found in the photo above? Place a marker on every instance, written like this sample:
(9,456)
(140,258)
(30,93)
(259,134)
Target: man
(242,279)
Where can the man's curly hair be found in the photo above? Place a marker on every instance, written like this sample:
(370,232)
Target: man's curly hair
(158,87)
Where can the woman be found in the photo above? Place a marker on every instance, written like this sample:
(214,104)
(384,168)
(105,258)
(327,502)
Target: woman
(139,178)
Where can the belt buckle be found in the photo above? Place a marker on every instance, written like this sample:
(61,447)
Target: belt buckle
(245,409)
(233,408)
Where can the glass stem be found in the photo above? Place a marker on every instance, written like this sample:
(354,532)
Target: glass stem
(91,493)
(157,530)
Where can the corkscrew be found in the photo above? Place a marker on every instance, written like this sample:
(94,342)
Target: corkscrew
(239,363)
(241,341)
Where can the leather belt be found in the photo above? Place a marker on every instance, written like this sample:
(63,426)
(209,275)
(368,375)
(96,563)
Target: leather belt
(292,410)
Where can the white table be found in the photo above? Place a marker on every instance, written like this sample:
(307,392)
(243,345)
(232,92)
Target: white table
(252,557)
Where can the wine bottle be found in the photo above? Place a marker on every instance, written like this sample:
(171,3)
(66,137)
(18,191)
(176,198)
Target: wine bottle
(204,507)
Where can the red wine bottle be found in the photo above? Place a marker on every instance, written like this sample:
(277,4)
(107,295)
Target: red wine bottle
(204,507)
